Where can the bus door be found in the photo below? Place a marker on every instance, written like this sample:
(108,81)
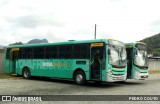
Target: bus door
(129,61)
(96,61)
(13,59)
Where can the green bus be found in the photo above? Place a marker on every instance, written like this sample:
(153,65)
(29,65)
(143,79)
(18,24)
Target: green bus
(137,60)
(100,60)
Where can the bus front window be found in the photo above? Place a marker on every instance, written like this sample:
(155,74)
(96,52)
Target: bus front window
(141,58)
(117,56)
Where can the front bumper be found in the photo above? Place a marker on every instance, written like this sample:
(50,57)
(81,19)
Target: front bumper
(140,76)
(113,78)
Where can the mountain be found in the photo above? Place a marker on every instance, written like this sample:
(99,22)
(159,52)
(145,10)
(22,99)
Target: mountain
(33,41)
(16,43)
(153,43)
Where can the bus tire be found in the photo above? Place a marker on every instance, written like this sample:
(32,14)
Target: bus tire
(26,73)
(79,78)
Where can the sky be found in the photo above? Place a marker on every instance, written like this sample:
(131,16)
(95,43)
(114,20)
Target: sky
(63,20)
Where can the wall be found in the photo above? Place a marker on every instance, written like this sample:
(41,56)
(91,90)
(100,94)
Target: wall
(154,64)
(1,61)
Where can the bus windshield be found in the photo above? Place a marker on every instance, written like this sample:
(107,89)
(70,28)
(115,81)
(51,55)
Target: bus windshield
(117,56)
(141,58)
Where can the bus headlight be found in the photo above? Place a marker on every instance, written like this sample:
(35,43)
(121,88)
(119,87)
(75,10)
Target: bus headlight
(109,71)
(137,72)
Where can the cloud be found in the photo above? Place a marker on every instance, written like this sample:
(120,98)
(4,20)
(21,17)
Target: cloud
(155,26)
(125,20)
(24,21)
(4,2)
(114,0)
(32,21)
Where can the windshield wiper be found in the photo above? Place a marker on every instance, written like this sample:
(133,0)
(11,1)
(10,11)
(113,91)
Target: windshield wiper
(117,66)
(119,51)
(142,67)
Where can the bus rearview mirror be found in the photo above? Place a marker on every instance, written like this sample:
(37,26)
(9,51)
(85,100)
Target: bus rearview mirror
(109,51)
(135,52)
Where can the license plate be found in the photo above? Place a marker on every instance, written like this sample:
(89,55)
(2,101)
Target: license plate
(119,77)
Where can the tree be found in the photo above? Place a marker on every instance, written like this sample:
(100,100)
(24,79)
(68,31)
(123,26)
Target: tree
(153,44)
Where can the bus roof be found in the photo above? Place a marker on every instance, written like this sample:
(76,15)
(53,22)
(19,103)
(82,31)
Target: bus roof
(62,43)
(133,44)
(58,43)
(141,43)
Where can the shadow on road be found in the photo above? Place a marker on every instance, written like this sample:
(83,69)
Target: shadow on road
(130,83)
(89,83)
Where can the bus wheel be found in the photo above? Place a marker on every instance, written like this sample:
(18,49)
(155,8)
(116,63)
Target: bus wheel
(79,78)
(26,73)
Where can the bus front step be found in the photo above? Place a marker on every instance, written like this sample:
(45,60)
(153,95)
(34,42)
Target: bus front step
(95,79)
(96,76)
(14,74)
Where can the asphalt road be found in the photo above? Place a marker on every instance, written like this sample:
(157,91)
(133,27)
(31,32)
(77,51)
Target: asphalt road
(40,86)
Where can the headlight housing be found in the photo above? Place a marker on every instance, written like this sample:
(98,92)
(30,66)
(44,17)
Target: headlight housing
(109,71)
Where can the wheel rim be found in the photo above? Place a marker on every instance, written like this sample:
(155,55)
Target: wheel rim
(79,78)
(26,73)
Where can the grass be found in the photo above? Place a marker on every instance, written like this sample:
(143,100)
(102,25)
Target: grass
(9,76)
(3,76)
(154,71)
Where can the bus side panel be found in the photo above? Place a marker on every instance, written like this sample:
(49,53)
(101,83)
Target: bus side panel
(105,63)
(48,68)
(132,71)
(82,64)
(6,66)
(104,75)
(104,67)
(21,63)
(62,68)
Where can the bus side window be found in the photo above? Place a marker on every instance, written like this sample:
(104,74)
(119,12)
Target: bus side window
(51,52)
(65,51)
(81,51)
